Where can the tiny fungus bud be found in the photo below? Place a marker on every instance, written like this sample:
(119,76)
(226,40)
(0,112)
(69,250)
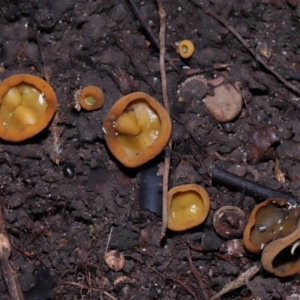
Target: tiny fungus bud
(27,105)
(137,128)
(114,260)
(188,206)
(270,220)
(229,222)
(91,98)
(186,48)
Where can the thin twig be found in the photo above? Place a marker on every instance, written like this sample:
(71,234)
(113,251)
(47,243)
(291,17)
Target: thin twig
(246,45)
(151,33)
(82,286)
(238,282)
(165,188)
(9,274)
(198,278)
(109,237)
(174,280)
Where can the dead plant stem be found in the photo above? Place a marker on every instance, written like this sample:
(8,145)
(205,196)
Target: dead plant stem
(8,271)
(241,280)
(198,278)
(82,286)
(183,285)
(162,53)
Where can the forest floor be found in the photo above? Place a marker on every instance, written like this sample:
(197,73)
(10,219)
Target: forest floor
(67,200)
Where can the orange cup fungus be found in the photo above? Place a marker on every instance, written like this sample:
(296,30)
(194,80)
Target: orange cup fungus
(274,230)
(282,256)
(188,206)
(91,98)
(27,105)
(270,220)
(136,129)
(186,48)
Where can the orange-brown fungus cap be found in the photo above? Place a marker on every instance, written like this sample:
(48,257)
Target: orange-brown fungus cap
(270,220)
(91,98)
(186,48)
(188,206)
(136,129)
(282,256)
(27,105)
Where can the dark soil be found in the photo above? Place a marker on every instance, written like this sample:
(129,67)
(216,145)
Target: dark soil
(62,191)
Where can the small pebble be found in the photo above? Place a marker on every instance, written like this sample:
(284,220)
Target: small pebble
(226,104)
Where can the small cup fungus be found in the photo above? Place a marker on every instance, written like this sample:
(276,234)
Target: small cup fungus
(27,105)
(188,206)
(91,98)
(229,222)
(186,48)
(270,220)
(136,129)
(282,256)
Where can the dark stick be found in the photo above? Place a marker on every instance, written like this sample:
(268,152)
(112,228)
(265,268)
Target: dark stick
(249,187)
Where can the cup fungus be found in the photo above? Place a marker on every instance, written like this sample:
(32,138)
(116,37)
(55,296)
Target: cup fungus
(186,48)
(91,98)
(27,105)
(229,222)
(188,206)
(270,220)
(282,256)
(136,129)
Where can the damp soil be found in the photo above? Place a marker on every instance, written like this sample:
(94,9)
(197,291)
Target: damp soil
(67,200)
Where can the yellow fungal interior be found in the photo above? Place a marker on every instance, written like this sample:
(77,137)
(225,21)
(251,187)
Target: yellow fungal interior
(90,100)
(273,222)
(137,128)
(22,105)
(186,206)
(184,48)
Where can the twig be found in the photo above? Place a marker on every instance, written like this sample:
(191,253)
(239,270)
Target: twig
(174,280)
(198,278)
(151,33)
(82,286)
(109,237)
(238,282)
(162,34)
(249,187)
(10,275)
(246,45)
